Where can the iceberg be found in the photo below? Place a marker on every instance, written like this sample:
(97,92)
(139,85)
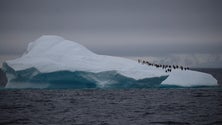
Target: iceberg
(54,62)
(189,78)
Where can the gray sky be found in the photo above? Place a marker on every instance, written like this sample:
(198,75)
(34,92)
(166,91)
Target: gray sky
(169,31)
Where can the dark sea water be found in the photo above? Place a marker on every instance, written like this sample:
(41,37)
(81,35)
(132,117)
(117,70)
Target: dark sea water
(155,106)
(151,106)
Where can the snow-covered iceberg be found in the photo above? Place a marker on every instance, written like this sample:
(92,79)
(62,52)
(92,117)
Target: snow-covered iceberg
(54,62)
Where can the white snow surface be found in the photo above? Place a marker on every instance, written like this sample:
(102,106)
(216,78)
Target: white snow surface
(53,53)
(189,78)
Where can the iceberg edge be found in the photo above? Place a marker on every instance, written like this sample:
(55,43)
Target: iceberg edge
(53,62)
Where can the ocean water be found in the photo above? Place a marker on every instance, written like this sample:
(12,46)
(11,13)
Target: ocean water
(147,106)
(155,106)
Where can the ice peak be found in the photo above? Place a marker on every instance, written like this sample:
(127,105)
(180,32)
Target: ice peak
(46,37)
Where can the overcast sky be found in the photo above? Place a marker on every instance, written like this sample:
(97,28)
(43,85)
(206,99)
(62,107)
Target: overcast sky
(169,31)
